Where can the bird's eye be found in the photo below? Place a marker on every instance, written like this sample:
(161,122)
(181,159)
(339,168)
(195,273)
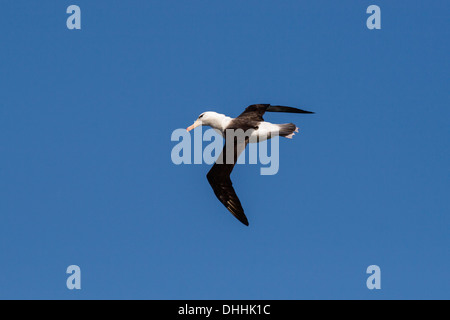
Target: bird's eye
(200,116)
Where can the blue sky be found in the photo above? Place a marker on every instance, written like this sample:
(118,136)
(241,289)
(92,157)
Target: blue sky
(86,176)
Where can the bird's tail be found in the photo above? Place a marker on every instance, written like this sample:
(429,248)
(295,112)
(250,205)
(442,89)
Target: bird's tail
(287,130)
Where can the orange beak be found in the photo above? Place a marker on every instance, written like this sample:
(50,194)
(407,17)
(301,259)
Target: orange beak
(195,125)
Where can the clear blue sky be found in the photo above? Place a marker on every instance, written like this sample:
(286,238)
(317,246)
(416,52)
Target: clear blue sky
(86,176)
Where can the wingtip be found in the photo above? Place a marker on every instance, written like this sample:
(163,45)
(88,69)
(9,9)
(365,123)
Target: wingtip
(243,219)
(276,108)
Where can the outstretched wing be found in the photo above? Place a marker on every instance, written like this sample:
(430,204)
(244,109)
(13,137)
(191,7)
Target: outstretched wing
(255,112)
(220,181)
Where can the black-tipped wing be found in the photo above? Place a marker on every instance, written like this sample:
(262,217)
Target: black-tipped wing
(255,112)
(220,181)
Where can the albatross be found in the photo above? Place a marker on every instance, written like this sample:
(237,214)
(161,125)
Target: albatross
(252,123)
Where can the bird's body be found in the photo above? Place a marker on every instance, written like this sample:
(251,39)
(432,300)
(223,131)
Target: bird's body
(261,130)
(254,129)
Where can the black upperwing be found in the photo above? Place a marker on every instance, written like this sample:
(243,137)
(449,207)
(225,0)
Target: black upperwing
(255,112)
(220,181)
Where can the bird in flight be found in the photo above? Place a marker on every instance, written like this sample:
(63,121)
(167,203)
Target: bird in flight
(251,122)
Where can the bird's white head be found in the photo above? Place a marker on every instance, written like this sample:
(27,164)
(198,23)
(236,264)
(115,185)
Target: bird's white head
(209,118)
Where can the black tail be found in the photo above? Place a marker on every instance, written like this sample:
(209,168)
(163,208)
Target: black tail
(287,130)
(286,109)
